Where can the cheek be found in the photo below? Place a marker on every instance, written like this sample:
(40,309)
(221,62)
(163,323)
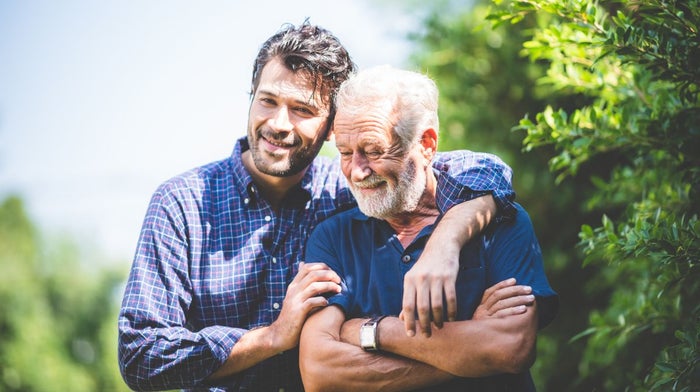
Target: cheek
(345,167)
(311,129)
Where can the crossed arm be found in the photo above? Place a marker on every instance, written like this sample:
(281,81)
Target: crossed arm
(501,341)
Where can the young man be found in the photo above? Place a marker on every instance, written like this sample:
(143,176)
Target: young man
(218,292)
(386,132)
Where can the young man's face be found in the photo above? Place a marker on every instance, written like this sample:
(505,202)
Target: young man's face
(286,121)
(385,180)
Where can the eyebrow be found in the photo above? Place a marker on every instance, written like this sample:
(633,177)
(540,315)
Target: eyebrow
(308,103)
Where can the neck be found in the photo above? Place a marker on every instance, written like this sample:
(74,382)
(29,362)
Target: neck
(272,188)
(408,224)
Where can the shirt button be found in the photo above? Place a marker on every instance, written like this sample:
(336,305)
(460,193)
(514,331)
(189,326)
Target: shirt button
(246,200)
(276,305)
(406,258)
(268,218)
(274,260)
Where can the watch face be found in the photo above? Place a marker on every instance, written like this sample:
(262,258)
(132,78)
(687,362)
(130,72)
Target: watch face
(367,337)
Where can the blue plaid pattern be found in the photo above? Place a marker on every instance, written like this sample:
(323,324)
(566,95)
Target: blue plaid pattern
(214,260)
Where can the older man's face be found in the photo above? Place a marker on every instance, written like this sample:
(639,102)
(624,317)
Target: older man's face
(385,180)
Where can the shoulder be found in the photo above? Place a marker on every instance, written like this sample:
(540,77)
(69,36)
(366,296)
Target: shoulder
(197,183)
(509,234)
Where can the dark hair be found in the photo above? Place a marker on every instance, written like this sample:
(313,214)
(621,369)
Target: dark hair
(311,49)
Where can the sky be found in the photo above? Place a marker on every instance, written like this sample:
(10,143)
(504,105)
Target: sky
(101,101)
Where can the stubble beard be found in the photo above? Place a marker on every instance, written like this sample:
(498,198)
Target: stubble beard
(298,159)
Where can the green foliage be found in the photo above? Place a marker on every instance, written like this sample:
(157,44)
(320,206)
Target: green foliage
(57,318)
(606,96)
(637,68)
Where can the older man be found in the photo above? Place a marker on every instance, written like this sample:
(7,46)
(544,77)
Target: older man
(386,132)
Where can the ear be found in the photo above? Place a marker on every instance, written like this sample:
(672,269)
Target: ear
(429,142)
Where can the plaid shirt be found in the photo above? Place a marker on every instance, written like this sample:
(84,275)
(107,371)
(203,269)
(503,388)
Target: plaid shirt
(214,260)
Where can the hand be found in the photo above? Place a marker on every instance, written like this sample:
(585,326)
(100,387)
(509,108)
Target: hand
(504,299)
(432,277)
(303,296)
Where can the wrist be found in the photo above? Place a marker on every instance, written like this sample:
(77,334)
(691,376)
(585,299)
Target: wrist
(369,334)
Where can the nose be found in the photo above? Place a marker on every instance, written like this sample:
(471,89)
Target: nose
(280,119)
(359,167)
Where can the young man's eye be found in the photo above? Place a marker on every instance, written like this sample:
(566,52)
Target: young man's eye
(305,111)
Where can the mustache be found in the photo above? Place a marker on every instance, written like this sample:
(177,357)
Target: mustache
(286,139)
(369,182)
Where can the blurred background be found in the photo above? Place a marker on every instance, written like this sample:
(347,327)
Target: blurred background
(102,101)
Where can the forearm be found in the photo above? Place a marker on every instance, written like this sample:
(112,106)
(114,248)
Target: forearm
(171,358)
(476,348)
(461,222)
(252,348)
(327,363)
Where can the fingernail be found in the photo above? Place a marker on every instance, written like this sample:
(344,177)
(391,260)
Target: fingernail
(410,333)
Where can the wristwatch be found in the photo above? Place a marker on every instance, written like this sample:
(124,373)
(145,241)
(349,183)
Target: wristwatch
(368,334)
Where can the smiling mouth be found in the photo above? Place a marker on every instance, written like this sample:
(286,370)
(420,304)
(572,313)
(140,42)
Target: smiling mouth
(276,145)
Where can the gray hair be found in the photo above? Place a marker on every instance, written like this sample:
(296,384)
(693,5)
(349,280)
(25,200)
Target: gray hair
(412,95)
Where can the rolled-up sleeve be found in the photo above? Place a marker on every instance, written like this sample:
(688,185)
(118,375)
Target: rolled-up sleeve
(465,175)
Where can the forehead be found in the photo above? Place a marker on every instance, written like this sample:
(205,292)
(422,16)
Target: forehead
(276,79)
(370,123)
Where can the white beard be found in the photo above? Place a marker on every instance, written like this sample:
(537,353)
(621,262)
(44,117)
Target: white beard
(392,200)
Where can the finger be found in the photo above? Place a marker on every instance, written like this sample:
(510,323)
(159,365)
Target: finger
(510,292)
(487,299)
(320,275)
(436,303)
(315,289)
(512,302)
(451,300)
(408,309)
(423,308)
(307,267)
(504,293)
(520,309)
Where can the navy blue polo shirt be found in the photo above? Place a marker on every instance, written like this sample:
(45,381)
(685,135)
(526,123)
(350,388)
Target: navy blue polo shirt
(371,262)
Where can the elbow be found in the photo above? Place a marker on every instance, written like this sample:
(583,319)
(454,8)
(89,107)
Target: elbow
(313,374)
(512,353)
(129,368)
(518,354)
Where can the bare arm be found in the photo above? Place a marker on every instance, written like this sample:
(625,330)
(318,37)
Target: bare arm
(302,297)
(435,272)
(328,364)
(488,346)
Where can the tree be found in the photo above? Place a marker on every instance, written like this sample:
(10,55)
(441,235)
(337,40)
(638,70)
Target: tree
(637,66)
(605,94)
(57,317)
